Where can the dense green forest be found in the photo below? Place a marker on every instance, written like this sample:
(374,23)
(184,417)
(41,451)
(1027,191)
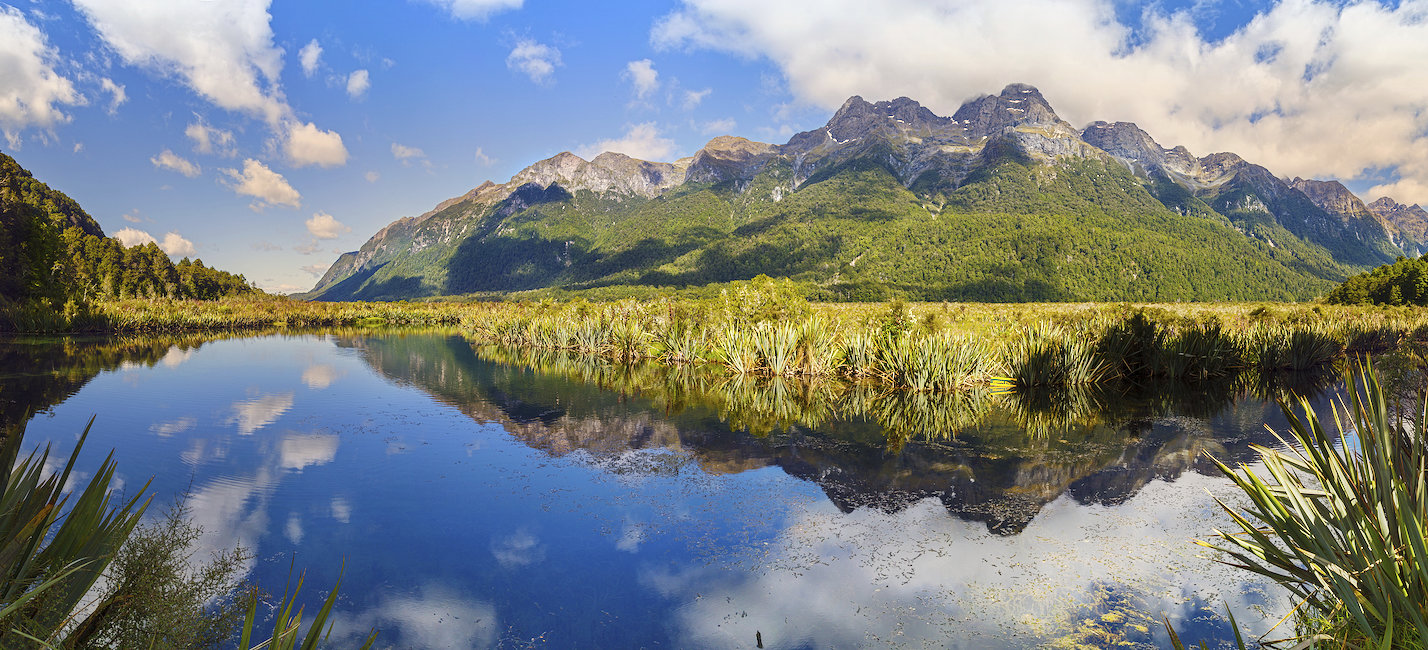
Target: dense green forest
(1404,282)
(52,252)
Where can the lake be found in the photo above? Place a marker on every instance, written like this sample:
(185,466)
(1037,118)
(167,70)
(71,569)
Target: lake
(491,498)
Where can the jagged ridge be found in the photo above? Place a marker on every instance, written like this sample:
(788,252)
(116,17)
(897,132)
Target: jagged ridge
(835,207)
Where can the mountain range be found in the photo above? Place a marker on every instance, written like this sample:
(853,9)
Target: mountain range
(1002,201)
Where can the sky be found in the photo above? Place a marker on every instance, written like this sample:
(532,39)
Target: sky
(268,136)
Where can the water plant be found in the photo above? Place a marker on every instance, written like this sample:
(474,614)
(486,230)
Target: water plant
(1340,519)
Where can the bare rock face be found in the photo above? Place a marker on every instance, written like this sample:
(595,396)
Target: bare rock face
(1128,142)
(727,158)
(1411,220)
(1017,105)
(1334,197)
(609,172)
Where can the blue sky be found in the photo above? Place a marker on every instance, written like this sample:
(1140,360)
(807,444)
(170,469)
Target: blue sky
(268,136)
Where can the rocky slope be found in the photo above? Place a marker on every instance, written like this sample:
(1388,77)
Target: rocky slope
(1003,200)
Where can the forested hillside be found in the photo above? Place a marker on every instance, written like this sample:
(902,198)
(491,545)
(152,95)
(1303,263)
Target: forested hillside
(53,252)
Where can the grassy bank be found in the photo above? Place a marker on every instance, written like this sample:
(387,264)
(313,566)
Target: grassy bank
(942,347)
(234,314)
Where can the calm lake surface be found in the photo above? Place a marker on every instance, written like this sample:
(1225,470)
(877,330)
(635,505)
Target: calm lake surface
(481,499)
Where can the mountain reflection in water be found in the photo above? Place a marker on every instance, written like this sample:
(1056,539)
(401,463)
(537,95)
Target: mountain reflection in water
(619,506)
(992,458)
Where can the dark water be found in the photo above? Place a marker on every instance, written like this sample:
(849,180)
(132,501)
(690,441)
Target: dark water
(493,499)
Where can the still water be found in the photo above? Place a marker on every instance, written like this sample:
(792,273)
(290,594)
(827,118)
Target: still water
(484,499)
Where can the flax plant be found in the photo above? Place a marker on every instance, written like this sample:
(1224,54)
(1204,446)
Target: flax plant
(1342,521)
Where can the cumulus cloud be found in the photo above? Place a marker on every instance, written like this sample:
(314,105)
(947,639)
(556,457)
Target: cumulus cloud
(372,176)
(641,141)
(323,226)
(643,76)
(31,91)
(1307,88)
(176,163)
(224,51)
(132,216)
(535,60)
(134,237)
(308,248)
(320,375)
(314,269)
(176,246)
(475,9)
(357,84)
(297,451)
(306,144)
(209,140)
(482,159)
(263,184)
(310,56)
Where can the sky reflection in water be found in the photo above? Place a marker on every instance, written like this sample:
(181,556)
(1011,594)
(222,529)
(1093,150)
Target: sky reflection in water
(478,504)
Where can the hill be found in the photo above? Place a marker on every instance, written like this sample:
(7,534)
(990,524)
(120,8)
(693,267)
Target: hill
(53,252)
(1002,201)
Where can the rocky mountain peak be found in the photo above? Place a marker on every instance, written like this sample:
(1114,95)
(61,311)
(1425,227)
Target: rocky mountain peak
(1125,140)
(1018,104)
(1411,220)
(858,119)
(727,157)
(1334,197)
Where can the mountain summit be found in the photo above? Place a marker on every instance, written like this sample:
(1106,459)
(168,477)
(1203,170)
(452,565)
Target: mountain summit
(1004,200)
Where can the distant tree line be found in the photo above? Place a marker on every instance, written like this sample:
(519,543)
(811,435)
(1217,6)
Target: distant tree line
(1404,282)
(52,251)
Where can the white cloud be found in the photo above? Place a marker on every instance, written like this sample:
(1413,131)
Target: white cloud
(534,60)
(78,147)
(642,141)
(174,162)
(134,237)
(475,9)
(314,269)
(482,159)
(323,226)
(266,246)
(310,56)
(308,248)
(176,246)
(266,185)
(718,127)
(462,623)
(643,76)
(209,140)
(132,216)
(693,98)
(117,96)
(31,91)
(357,84)
(372,176)
(224,51)
(306,144)
(1306,88)
(406,154)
